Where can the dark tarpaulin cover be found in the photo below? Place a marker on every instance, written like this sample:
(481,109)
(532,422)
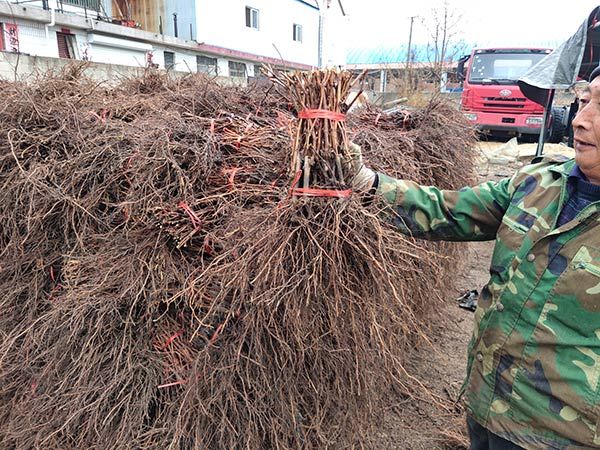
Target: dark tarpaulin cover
(573,60)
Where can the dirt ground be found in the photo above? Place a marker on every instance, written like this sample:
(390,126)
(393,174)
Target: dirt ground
(424,422)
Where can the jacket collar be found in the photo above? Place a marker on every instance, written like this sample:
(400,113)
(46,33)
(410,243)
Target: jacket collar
(564,169)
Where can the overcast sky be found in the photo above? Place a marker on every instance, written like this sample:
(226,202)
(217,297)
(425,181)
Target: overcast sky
(479,22)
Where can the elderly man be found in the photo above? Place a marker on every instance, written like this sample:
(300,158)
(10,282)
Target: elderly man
(533,366)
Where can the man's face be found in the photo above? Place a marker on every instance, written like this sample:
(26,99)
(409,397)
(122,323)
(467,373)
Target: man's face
(586,128)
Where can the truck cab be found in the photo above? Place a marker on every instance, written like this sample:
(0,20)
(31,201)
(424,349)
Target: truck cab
(491,98)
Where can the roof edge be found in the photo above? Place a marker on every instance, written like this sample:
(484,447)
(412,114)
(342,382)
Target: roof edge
(309,4)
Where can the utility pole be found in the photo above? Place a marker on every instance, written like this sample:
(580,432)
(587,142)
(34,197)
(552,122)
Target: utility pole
(408,74)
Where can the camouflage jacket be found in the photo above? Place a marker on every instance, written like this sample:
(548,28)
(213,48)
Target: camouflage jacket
(533,365)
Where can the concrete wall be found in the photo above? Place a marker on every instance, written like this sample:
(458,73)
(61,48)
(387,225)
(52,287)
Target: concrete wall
(23,67)
(223,24)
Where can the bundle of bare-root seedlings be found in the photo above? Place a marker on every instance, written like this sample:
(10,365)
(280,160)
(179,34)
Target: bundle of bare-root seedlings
(431,146)
(167,280)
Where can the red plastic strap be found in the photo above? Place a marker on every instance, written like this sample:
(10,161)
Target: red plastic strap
(207,247)
(102,117)
(321,114)
(231,176)
(196,221)
(217,333)
(315,192)
(294,183)
(175,383)
(171,339)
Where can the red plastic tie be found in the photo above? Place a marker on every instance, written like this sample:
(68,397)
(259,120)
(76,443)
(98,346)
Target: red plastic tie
(207,247)
(217,333)
(231,176)
(196,221)
(316,192)
(171,339)
(321,114)
(102,117)
(175,383)
(294,183)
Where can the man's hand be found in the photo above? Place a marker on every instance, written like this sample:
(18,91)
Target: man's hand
(362,178)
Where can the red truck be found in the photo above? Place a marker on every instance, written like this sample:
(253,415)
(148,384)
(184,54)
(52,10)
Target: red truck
(492,100)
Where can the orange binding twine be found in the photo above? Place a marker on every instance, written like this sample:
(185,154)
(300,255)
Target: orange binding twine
(321,114)
(316,192)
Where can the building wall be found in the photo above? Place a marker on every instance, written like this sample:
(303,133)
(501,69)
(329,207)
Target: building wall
(335,28)
(101,41)
(184,61)
(113,50)
(223,24)
(32,37)
(39,40)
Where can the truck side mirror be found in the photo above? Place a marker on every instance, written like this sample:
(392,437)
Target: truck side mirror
(460,68)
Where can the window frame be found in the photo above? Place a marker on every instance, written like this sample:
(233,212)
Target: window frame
(297,33)
(172,65)
(252,18)
(258,72)
(209,69)
(68,39)
(231,64)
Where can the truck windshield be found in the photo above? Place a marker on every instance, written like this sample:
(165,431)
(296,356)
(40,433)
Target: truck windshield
(501,68)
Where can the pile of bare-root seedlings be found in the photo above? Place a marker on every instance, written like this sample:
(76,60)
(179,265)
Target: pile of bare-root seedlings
(162,286)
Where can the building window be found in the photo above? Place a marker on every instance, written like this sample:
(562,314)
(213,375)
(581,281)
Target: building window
(237,69)
(66,45)
(169,60)
(94,5)
(297,32)
(258,71)
(252,17)
(206,64)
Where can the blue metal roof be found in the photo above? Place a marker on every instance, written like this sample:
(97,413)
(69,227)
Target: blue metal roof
(376,55)
(381,55)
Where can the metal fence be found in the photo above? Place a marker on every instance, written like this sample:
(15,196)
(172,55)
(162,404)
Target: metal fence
(94,5)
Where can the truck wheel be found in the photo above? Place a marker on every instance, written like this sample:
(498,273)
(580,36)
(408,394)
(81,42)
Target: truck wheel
(556,133)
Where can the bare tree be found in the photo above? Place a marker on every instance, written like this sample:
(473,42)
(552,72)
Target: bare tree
(445,43)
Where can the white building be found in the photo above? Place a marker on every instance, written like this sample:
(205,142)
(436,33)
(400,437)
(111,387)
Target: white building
(225,37)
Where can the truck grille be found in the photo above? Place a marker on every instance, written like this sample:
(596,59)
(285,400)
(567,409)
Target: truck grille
(500,102)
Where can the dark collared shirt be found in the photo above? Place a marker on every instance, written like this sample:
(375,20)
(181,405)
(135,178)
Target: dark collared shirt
(581,193)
